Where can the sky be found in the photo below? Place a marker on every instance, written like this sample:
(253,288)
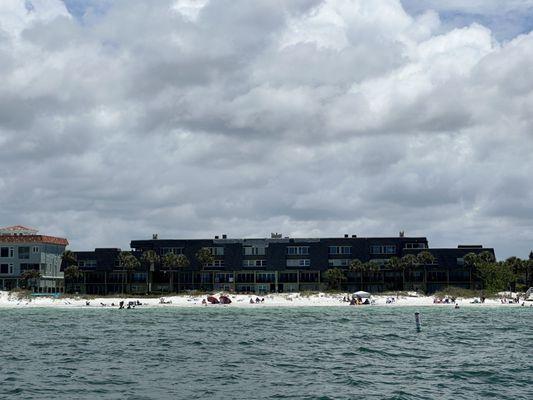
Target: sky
(120,119)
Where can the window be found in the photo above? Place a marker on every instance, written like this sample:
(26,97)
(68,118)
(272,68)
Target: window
(216,263)
(254,251)
(7,252)
(301,262)
(174,250)
(341,262)
(254,263)
(384,249)
(297,250)
(415,245)
(28,267)
(35,249)
(3,268)
(10,268)
(340,249)
(216,251)
(460,261)
(90,263)
(245,278)
(266,277)
(24,253)
(81,263)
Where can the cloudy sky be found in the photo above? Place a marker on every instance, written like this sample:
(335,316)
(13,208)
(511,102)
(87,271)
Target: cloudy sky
(119,119)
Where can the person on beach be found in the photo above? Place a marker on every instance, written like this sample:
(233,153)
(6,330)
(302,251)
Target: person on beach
(252,301)
(121,304)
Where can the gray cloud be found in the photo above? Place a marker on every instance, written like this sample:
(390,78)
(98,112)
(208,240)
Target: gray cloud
(311,117)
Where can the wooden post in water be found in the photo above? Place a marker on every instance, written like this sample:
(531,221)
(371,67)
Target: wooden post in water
(417,321)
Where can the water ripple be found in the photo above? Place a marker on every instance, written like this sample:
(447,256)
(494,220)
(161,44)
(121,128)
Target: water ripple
(289,353)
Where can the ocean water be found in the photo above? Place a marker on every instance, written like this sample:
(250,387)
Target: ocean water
(266,353)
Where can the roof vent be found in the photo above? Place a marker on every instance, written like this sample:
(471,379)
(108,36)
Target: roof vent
(354,236)
(224,236)
(216,237)
(155,236)
(402,233)
(345,235)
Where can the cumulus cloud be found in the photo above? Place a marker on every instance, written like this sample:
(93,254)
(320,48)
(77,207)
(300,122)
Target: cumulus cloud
(312,117)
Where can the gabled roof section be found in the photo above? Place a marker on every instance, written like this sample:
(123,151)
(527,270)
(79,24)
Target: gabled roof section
(17,229)
(23,234)
(33,239)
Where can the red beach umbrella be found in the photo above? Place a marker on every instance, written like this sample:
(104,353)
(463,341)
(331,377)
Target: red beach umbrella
(225,299)
(213,300)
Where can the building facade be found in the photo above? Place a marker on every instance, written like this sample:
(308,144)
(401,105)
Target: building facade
(23,249)
(276,264)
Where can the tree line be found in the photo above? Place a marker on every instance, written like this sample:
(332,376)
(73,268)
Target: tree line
(512,273)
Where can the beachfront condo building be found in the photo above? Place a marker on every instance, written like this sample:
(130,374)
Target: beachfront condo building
(23,249)
(275,264)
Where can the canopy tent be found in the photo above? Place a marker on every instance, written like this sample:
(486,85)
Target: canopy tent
(362,294)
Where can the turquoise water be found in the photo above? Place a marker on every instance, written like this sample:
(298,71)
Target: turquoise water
(266,353)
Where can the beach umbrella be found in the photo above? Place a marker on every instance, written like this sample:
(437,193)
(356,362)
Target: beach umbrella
(213,300)
(362,294)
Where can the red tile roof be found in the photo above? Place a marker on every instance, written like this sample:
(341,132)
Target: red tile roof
(17,228)
(33,239)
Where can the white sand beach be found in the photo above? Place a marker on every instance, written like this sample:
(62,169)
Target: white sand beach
(10,300)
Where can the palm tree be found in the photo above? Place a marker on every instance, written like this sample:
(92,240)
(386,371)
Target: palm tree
(205,257)
(30,277)
(72,272)
(519,268)
(528,265)
(129,263)
(407,262)
(182,263)
(171,261)
(357,265)
(334,277)
(372,266)
(425,258)
(470,261)
(150,258)
(395,264)
(486,257)
(69,258)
